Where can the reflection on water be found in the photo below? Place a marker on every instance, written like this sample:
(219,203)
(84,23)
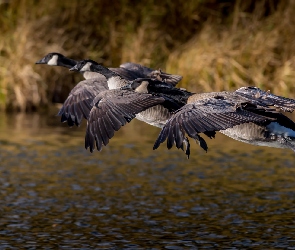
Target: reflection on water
(55,194)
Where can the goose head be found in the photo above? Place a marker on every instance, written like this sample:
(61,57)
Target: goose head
(53,59)
(88,65)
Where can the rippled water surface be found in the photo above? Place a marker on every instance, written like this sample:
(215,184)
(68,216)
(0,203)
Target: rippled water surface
(55,194)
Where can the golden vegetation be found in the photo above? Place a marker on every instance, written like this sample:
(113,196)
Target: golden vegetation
(215,45)
(252,51)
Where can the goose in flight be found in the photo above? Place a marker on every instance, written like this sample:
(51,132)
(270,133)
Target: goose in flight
(129,71)
(79,102)
(210,112)
(101,124)
(207,113)
(155,116)
(248,114)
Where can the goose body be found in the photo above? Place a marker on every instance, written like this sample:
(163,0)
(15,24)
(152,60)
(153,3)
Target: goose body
(277,134)
(114,108)
(211,111)
(155,116)
(95,82)
(271,135)
(248,114)
(111,110)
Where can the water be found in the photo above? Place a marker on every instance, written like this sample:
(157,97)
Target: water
(55,194)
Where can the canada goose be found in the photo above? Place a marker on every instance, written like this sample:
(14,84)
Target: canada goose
(78,103)
(114,80)
(118,77)
(155,116)
(111,110)
(129,71)
(212,112)
(100,127)
(279,133)
(57,59)
(276,133)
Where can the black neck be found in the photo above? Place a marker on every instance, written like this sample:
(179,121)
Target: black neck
(67,62)
(104,71)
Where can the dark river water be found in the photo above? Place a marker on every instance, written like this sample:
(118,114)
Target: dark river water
(56,195)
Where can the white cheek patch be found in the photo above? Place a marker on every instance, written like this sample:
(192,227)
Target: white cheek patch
(53,60)
(142,88)
(86,67)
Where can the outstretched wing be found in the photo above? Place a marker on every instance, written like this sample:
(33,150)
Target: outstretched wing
(127,73)
(203,116)
(145,72)
(111,110)
(262,98)
(79,102)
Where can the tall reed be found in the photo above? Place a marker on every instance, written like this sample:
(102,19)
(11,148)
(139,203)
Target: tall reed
(214,44)
(255,50)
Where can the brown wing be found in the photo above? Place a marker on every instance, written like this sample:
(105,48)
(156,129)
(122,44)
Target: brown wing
(126,73)
(79,102)
(132,71)
(113,109)
(265,99)
(201,117)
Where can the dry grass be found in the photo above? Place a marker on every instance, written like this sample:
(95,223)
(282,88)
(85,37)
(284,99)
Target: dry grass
(213,44)
(252,52)
(108,33)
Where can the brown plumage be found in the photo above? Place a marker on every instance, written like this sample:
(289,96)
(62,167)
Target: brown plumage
(79,102)
(111,110)
(218,111)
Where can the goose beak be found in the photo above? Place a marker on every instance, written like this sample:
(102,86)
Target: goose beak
(75,68)
(41,61)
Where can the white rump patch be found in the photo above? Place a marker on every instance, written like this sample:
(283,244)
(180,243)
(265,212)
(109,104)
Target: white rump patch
(53,61)
(86,67)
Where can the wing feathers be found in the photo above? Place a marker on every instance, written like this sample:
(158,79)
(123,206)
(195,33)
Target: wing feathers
(202,117)
(78,103)
(113,110)
(263,98)
(131,71)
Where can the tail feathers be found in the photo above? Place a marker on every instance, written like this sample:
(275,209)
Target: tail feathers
(288,141)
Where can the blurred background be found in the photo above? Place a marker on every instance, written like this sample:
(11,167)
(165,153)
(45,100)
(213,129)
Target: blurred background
(215,45)
(56,195)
